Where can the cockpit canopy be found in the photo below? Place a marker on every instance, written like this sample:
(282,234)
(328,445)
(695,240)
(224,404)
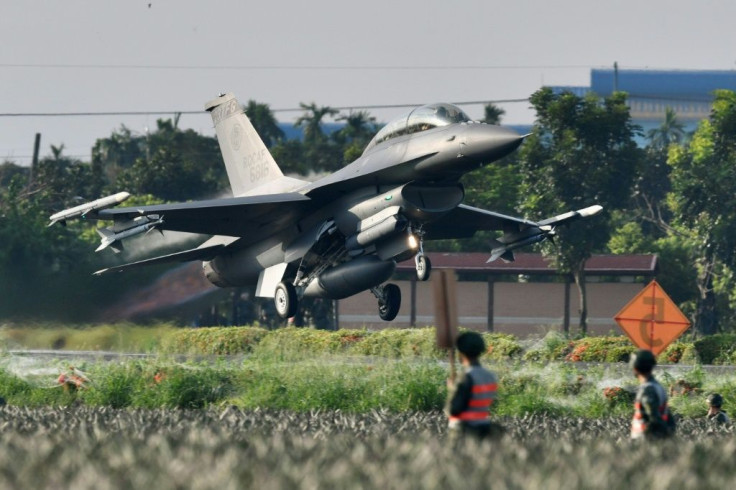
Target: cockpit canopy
(420,119)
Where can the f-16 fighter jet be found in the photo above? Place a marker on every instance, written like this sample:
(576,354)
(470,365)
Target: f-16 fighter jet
(344,233)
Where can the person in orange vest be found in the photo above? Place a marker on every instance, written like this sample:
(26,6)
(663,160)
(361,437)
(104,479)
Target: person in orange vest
(652,417)
(471,398)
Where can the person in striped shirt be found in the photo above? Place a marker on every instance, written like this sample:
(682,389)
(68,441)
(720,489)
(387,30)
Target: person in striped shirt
(471,397)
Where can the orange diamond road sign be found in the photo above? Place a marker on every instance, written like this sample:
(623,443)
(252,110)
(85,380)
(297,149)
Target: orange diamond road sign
(652,320)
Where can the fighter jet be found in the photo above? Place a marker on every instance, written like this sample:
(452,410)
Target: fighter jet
(344,233)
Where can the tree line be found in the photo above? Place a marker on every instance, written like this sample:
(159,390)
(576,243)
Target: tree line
(671,197)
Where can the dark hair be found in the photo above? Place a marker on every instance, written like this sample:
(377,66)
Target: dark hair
(643,361)
(471,344)
(715,400)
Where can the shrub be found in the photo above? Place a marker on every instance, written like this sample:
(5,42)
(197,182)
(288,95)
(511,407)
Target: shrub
(121,337)
(214,340)
(292,340)
(716,349)
(601,349)
(679,352)
(616,394)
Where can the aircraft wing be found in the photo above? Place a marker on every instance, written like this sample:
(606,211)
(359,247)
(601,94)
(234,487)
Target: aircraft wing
(236,217)
(464,221)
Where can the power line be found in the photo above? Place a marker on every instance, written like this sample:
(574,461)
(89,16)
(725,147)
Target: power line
(295,67)
(317,67)
(674,98)
(202,112)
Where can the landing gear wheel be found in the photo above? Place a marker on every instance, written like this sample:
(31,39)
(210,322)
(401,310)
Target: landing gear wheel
(286,300)
(388,307)
(424,268)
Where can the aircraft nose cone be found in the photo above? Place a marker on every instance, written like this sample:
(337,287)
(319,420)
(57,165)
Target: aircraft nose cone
(486,143)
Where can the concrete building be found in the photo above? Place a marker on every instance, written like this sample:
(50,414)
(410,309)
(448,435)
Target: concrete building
(525,297)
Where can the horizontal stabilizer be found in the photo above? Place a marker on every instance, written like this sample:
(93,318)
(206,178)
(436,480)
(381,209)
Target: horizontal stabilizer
(235,217)
(203,253)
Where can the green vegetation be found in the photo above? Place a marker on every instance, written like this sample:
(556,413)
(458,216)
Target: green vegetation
(582,151)
(120,337)
(276,379)
(392,343)
(299,343)
(214,340)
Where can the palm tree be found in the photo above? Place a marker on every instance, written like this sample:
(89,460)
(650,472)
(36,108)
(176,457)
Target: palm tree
(670,131)
(56,152)
(493,114)
(264,122)
(311,121)
(359,126)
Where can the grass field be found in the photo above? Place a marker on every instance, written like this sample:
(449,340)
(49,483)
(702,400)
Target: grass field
(299,408)
(349,383)
(351,370)
(106,448)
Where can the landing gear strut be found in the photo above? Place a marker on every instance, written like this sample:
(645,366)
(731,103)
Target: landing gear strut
(286,300)
(389,301)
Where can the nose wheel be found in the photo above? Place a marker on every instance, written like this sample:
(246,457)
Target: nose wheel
(286,300)
(424,267)
(389,301)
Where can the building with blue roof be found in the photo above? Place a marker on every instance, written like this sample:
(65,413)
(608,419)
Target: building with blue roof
(688,92)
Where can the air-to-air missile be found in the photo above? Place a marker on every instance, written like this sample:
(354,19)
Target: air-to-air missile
(112,239)
(83,210)
(536,232)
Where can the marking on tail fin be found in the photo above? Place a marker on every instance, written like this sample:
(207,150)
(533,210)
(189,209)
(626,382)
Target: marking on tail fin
(247,160)
(236,136)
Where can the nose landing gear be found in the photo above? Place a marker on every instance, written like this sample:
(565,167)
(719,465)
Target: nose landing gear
(422,262)
(424,267)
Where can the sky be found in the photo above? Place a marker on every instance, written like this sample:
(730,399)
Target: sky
(174,55)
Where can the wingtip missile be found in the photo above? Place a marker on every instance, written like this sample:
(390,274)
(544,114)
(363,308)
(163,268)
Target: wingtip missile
(565,218)
(85,209)
(590,211)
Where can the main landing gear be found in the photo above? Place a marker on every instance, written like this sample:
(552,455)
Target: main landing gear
(389,301)
(286,300)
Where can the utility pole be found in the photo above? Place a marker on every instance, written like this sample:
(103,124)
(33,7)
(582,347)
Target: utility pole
(615,77)
(34,161)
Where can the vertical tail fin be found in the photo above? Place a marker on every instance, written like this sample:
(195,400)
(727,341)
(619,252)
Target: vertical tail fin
(247,160)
